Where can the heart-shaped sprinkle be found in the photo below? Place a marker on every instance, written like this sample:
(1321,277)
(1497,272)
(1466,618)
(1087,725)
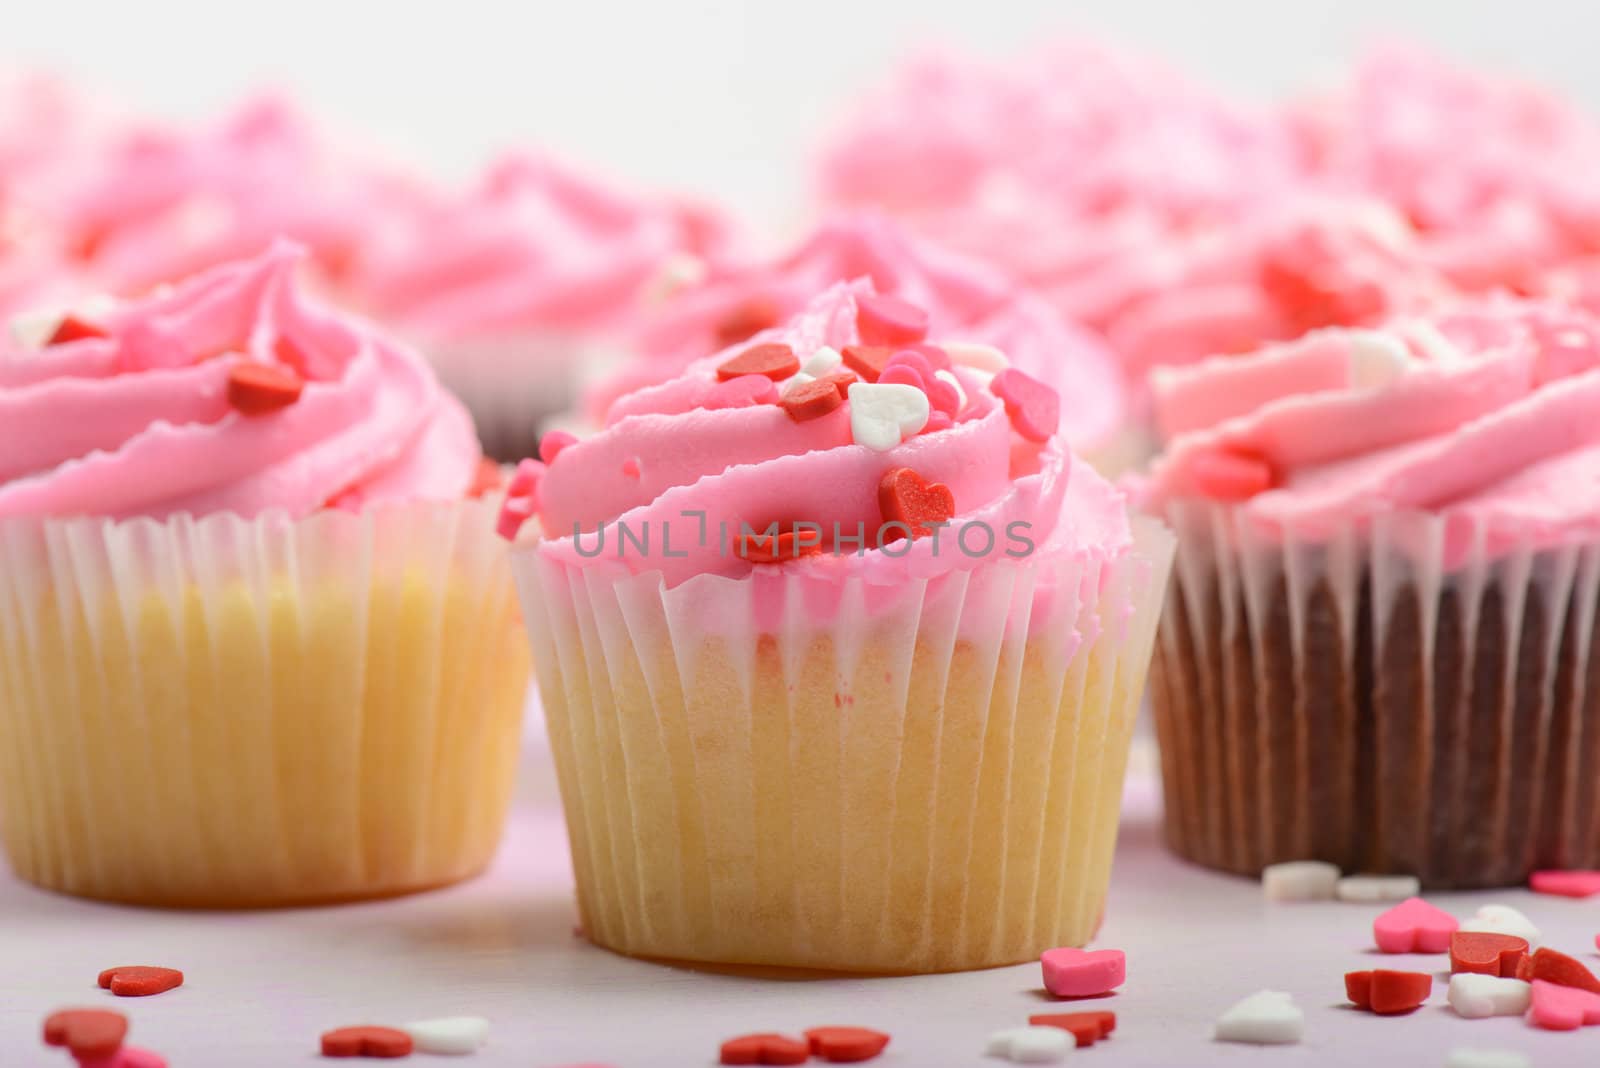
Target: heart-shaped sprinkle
(449,1035)
(71,328)
(747,318)
(936,358)
(867,361)
(553,443)
(86,1032)
(794,382)
(1565,883)
(812,400)
(979,357)
(903,374)
(513,514)
(1414,926)
(1083,973)
(1503,919)
(773,360)
(1030,1045)
(1486,954)
(1034,408)
(945,393)
(1371,888)
(746,391)
(1267,1018)
(486,479)
(1476,996)
(1388,993)
(1087,1027)
(138,981)
(822,361)
(846,1045)
(126,1057)
(913,359)
(262,388)
(1562,1008)
(1299,880)
(1464,1057)
(906,497)
(1228,474)
(938,421)
(765,1049)
(1553,967)
(762,548)
(881,416)
(842,380)
(366,1042)
(886,320)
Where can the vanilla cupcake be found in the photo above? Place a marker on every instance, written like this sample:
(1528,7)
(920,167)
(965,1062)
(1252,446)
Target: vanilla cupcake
(840,651)
(257,645)
(1378,649)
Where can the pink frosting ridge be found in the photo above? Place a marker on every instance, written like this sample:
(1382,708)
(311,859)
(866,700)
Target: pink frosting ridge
(536,246)
(672,466)
(1481,417)
(963,297)
(140,422)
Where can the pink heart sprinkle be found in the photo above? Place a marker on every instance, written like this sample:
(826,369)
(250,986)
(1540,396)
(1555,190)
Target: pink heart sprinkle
(1082,973)
(943,396)
(903,374)
(742,392)
(937,358)
(1562,1008)
(886,320)
(1414,926)
(126,1057)
(1565,883)
(1034,408)
(938,421)
(551,444)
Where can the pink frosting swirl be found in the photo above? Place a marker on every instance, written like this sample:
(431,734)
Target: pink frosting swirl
(670,465)
(1482,416)
(963,297)
(142,422)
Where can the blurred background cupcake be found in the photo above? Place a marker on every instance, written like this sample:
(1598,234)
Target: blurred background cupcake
(861,699)
(257,640)
(1378,649)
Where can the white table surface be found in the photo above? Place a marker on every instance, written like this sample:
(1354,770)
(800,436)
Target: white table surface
(262,986)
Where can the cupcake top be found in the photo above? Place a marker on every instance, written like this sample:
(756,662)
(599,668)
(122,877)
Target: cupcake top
(820,445)
(535,247)
(963,298)
(1493,173)
(1482,416)
(228,393)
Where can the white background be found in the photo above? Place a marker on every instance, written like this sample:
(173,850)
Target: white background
(725,97)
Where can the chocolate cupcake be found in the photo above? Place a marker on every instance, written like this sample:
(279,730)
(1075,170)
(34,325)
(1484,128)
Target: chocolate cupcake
(1377,649)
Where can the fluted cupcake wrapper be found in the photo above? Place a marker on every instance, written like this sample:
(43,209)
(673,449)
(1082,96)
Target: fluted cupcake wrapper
(787,770)
(1389,698)
(229,712)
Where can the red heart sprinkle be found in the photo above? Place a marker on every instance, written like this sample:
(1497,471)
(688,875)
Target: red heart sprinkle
(1558,968)
(551,445)
(262,388)
(1034,408)
(1486,953)
(139,981)
(774,360)
(868,361)
(366,1042)
(486,479)
(746,391)
(841,380)
(846,1045)
(886,320)
(71,328)
(765,1049)
(1087,1027)
(761,548)
(1565,883)
(812,400)
(906,497)
(1388,993)
(1231,474)
(750,317)
(86,1032)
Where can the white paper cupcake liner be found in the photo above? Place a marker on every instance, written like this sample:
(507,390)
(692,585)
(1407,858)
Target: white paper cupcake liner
(915,779)
(230,712)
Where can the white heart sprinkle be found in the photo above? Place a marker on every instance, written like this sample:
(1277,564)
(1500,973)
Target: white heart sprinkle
(1267,1018)
(449,1034)
(1503,919)
(978,356)
(1477,996)
(1487,1058)
(1300,880)
(882,415)
(1032,1045)
(821,362)
(794,382)
(1369,888)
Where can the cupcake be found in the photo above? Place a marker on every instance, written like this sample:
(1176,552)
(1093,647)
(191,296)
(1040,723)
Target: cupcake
(840,651)
(517,287)
(1377,648)
(258,646)
(963,298)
